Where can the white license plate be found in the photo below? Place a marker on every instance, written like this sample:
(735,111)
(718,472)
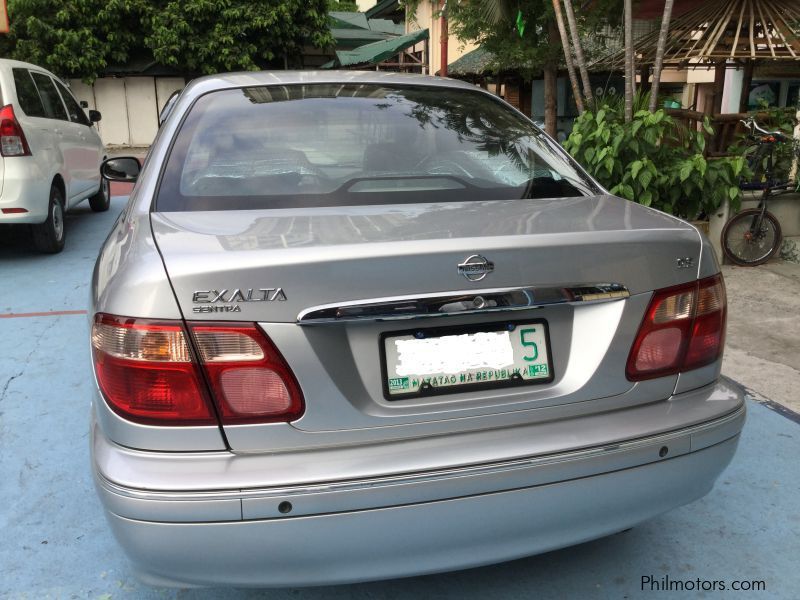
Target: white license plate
(423,362)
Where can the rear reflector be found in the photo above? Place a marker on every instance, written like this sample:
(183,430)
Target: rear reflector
(12,139)
(14,211)
(146,372)
(683,329)
(250,380)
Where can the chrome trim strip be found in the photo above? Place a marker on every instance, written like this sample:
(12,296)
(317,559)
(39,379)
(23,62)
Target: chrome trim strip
(465,302)
(483,469)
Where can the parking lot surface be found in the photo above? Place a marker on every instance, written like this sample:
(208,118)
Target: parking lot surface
(56,544)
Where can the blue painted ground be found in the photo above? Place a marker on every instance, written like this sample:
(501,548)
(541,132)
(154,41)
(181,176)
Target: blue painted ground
(55,543)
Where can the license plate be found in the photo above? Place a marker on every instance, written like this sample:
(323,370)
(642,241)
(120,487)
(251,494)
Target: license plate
(424,362)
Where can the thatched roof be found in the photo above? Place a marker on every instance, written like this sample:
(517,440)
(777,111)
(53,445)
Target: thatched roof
(476,62)
(724,29)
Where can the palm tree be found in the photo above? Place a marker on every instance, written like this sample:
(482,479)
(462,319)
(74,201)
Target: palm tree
(629,68)
(573,79)
(662,42)
(576,41)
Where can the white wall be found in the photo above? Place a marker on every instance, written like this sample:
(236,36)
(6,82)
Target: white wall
(129,106)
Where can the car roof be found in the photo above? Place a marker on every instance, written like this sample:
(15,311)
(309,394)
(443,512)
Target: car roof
(259,78)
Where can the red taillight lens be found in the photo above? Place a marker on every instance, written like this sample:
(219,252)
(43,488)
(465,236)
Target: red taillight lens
(12,139)
(708,330)
(683,329)
(146,372)
(249,378)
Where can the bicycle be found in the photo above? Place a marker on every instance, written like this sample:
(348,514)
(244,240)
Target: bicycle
(753,236)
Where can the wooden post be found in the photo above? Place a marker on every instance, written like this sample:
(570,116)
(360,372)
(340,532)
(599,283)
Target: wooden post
(719,85)
(746,81)
(644,75)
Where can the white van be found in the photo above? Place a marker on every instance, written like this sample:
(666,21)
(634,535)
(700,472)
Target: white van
(50,153)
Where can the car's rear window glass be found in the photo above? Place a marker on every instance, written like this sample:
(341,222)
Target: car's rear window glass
(350,144)
(53,108)
(27,95)
(75,110)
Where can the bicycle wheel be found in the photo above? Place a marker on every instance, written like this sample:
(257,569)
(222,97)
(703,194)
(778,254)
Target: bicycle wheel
(745,247)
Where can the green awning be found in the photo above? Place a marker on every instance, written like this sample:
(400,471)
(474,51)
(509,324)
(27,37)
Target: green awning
(372,54)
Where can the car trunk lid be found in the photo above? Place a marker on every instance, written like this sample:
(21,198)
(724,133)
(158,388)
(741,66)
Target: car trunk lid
(275,266)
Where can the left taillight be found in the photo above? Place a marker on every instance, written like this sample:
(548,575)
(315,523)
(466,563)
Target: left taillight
(148,372)
(12,138)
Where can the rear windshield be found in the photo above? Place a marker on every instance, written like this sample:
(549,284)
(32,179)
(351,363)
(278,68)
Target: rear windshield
(343,145)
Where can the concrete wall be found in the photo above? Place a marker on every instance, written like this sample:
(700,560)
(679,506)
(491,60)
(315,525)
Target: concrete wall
(129,105)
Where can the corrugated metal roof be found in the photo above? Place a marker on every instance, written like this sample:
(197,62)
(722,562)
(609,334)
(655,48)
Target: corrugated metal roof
(377,51)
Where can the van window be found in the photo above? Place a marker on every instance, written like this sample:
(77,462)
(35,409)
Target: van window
(27,95)
(53,107)
(74,109)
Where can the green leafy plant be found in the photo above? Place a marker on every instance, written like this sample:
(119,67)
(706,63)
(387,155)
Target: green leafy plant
(81,38)
(655,161)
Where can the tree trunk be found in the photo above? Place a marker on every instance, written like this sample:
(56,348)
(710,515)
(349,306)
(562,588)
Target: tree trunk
(550,85)
(444,38)
(662,44)
(550,100)
(580,59)
(629,70)
(573,79)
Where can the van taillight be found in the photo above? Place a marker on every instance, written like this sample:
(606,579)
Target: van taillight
(683,329)
(148,372)
(12,139)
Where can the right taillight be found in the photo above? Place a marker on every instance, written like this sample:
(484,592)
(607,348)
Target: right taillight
(12,138)
(149,374)
(683,329)
(250,380)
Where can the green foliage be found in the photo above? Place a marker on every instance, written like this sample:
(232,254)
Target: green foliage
(527,53)
(492,24)
(208,36)
(655,161)
(80,38)
(343,5)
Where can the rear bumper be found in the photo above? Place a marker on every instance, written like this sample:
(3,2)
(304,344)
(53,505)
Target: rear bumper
(24,186)
(411,524)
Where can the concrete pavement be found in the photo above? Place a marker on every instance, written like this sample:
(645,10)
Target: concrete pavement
(763,339)
(56,543)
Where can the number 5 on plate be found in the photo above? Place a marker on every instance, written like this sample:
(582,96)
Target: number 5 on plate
(529,344)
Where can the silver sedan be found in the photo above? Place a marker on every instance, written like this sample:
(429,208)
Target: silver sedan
(355,326)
